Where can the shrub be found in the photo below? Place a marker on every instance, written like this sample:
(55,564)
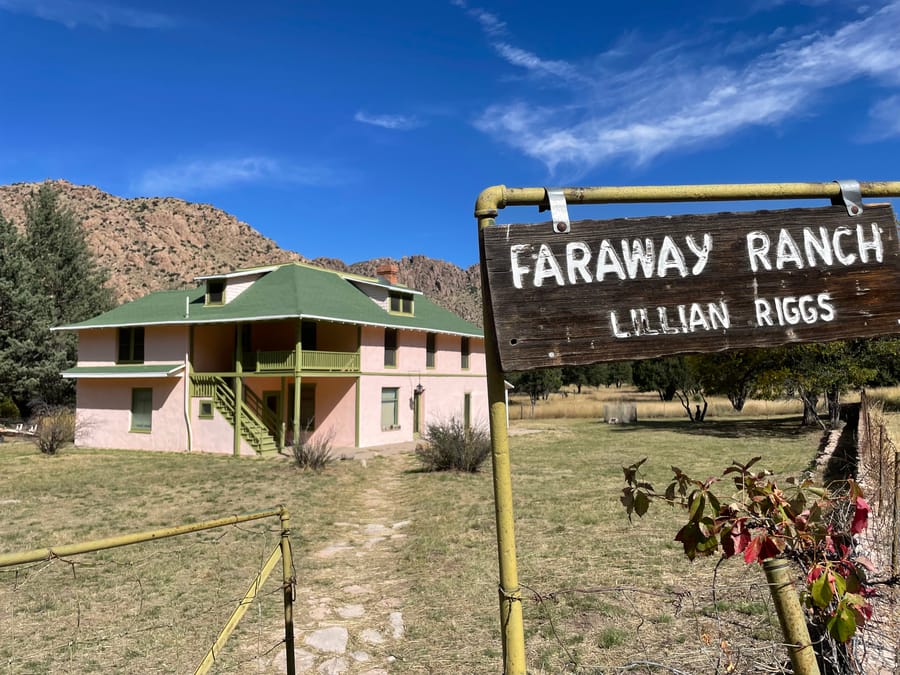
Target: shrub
(54,428)
(314,452)
(450,446)
(8,409)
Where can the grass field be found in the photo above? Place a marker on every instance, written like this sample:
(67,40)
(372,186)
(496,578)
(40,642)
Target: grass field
(600,593)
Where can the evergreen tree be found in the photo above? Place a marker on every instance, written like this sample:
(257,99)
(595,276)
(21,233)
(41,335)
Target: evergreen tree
(47,278)
(537,383)
(66,274)
(25,362)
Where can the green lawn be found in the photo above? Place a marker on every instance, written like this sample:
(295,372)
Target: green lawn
(600,592)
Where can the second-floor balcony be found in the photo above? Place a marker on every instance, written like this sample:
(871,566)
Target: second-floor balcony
(310,361)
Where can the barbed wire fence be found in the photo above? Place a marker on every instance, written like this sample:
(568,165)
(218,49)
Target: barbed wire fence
(152,606)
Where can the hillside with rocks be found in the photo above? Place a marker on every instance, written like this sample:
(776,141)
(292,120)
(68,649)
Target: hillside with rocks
(156,243)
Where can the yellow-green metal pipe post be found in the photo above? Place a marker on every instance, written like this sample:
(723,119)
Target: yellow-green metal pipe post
(487,206)
(511,624)
(287,580)
(790,616)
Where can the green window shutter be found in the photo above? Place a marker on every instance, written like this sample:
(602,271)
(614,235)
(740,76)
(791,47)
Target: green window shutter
(141,409)
(390,399)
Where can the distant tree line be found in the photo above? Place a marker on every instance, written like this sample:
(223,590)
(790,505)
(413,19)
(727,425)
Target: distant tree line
(810,372)
(48,278)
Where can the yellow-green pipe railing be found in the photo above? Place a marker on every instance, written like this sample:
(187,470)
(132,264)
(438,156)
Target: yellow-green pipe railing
(487,207)
(283,549)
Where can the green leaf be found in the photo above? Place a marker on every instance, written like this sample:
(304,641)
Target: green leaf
(842,625)
(696,504)
(641,503)
(820,591)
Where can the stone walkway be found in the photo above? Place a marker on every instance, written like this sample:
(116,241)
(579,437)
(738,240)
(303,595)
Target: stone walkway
(354,627)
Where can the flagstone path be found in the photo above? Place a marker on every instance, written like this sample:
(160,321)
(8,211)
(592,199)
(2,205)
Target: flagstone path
(355,626)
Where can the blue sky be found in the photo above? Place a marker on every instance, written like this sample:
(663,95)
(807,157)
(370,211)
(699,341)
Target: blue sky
(359,129)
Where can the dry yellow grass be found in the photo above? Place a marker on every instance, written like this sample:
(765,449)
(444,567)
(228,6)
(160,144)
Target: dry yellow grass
(591,401)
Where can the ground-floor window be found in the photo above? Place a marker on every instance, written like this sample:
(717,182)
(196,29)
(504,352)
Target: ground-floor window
(141,409)
(390,407)
(467,410)
(206,410)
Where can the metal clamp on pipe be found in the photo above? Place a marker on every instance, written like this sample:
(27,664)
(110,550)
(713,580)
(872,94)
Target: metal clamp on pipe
(559,212)
(851,196)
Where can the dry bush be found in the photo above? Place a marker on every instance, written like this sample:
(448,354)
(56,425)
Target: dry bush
(314,452)
(54,428)
(451,446)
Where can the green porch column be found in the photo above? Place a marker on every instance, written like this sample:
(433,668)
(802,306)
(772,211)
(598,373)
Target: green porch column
(298,356)
(238,388)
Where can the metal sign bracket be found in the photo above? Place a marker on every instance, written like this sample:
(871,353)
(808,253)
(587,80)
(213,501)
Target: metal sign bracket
(559,212)
(851,197)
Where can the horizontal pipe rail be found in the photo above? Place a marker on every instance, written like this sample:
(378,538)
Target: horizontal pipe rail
(492,199)
(39,554)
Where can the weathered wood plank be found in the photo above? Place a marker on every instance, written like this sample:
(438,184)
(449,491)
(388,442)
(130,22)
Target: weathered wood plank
(639,288)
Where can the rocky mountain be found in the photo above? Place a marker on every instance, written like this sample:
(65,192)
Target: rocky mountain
(156,243)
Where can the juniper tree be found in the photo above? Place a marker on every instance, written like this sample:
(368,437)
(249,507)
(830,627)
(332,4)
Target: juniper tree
(50,278)
(25,362)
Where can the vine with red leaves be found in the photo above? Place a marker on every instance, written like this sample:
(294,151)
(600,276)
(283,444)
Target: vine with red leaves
(811,525)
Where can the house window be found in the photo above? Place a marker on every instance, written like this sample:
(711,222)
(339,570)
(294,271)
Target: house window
(401,303)
(467,411)
(215,291)
(131,345)
(206,410)
(390,347)
(390,408)
(430,348)
(464,354)
(141,409)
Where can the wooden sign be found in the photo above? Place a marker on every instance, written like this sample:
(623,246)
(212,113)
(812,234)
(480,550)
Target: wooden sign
(640,288)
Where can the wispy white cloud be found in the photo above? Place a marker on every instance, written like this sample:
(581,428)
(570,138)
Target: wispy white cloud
(885,119)
(536,65)
(680,97)
(394,122)
(490,23)
(74,13)
(199,175)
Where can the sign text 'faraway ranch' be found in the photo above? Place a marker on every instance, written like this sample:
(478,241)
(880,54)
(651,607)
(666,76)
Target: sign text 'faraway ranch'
(637,288)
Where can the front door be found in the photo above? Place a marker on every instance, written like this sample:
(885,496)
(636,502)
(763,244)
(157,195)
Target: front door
(417,411)
(272,403)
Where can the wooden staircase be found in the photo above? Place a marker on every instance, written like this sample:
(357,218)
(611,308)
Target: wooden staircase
(253,430)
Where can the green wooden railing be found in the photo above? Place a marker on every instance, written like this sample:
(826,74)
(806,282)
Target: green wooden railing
(311,360)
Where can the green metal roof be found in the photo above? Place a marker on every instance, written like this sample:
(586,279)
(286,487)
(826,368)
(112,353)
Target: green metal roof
(293,290)
(130,371)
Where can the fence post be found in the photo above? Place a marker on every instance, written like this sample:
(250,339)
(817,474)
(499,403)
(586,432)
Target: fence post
(287,580)
(790,616)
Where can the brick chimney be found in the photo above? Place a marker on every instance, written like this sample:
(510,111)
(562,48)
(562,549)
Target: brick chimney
(388,272)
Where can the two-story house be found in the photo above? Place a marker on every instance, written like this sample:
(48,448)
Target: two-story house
(252,360)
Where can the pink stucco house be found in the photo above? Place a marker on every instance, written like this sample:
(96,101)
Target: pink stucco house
(253,359)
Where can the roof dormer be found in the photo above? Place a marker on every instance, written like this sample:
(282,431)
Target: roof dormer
(223,288)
